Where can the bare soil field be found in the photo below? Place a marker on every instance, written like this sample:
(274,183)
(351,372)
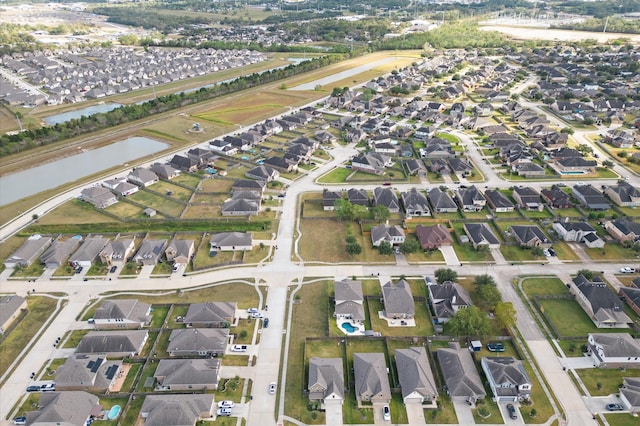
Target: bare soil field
(528,33)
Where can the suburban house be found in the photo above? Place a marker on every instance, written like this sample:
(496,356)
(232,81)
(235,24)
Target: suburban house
(149,252)
(415,376)
(329,199)
(100,197)
(58,252)
(142,177)
(398,300)
(358,196)
(245,203)
(88,252)
(204,157)
(590,197)
(175,409)
(211,314)
(415,167)
(11,307)
(631,295)
(393,234)
(117,252)
(529,236)
(230,241)
(122,314)
(460,374)
(113,344)
(186,164)
(603,307)
(28,251)
(187,374)
(349,299)
(165,171)
(614,350)
(433,237)
(415,203)
(263,173)
(480,235)
(581,232)
(623,229)
(556,198)
(371,378)
(470,199)
(441,201)
(498,201)
(124,189)
(90,372)
(71,408)
(386,197)
(573,166)
(198,342)
(624,194)
(507,378)
(630,394)
(620,138)
(446,299)
(179,251)
(527,198)
(527,168)
(326,380)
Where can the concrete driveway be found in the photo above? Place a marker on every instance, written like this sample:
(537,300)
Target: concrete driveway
(333,412)
(463,413)
(377,414)
(450,256)
(415,413)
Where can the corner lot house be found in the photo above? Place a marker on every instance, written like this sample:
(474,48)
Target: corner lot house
(10,309)
(415,376)
(142,177)
(460,374)
(187,374)
(178,410)
(229,241)
(398,300)
(72,408)
(446,299)
(113,344)
(211,314)
(603,307)
(630,394)
(198,341)
(393,234)
(122,314)
(581,232)
(624,195)
(349,301)
(98,196)
(507,378)
(326,380)
(372,379)
(87,372)
(28,252)
(614,350)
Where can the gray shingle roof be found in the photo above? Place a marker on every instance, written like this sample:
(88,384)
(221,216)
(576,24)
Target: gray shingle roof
(327,375)
(105,342)
(70,408)
(605,305)
(195,371)
(131,309)
(398,298)
(460,373)
(414,372)
(370,371)
(175,410)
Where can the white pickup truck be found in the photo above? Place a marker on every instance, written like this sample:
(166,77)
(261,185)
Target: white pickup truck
(239,348)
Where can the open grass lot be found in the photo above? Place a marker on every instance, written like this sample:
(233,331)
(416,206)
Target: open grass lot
(570,320)
(205,199)
(314,208)
(162,205)
(126,210)
(544,286)
(608,378)
(217,185)
(337,175)
(200,211)
(39,310)
(310,319)
(611,251)
(621,419)
(515,253)
(74,212)
(423,326)
(177,192)
(187,179)
(245,325)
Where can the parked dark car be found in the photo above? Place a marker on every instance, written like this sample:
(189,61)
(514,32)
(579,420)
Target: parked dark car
(615,407)
(113,269)
(265,323)
(22,420)
(512,411)
(552,252)
(33,388)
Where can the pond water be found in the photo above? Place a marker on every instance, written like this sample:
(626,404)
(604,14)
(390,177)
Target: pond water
(88,111)
(28,182)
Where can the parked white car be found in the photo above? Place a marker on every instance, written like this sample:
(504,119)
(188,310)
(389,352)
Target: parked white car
(226,404)
(627,270)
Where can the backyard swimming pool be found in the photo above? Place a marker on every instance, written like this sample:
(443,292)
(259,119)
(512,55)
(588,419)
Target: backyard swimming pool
(348,327)
(114,412)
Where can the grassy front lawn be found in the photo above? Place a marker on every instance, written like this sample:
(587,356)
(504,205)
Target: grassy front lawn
(611,251)
(539,401)
(564,252)
(337,175)
(444,414)
(230,389)
(516,253)
(544,286)
(610,379)
(235,360)
(310,319)
(34,270)
(467,253)
(621,419)
(74,338)
(492,415)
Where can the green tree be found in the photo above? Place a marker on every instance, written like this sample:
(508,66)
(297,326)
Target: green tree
(410,246)
(505,314)
(469,322)
(537,251)
(343,209)
(607,164)
(567,130)
(128,40)
(484,279)
(490,295)
(587,273)
(380,213)
(354,248)
(385,247)
(445,274)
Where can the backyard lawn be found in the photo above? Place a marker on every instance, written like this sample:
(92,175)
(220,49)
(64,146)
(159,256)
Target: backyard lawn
(74,212)
(569,318)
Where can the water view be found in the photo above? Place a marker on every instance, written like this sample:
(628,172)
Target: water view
(52,120)
(37,179)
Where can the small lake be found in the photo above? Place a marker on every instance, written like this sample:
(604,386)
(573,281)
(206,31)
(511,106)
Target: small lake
(37,179)
(52,120)
(341,75)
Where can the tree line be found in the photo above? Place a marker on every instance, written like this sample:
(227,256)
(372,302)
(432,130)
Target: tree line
(22,141)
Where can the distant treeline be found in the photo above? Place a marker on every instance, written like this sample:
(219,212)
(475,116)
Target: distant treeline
(147,18)
(613,25)
(22,141)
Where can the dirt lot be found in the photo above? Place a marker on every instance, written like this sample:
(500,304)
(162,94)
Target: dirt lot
(528,33)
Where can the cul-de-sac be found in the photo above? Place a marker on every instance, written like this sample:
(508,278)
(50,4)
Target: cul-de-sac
(310,213)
